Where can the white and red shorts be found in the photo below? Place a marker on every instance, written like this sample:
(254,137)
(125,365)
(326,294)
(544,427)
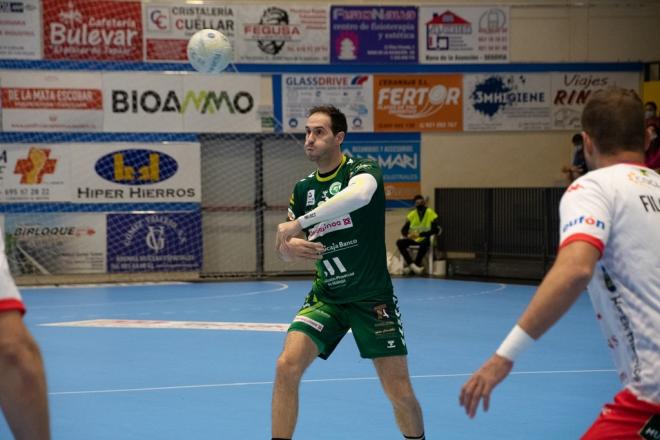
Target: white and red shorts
(627,418)
(10,298)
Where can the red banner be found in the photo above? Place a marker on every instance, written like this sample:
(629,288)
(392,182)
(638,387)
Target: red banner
(92,30)
(38,98)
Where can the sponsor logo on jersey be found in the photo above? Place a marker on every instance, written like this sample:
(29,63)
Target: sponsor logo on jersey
(587,220)
(340,246)
(363,166)
(651,431)
(574,187)
(642,177)
(650,203)
(629,336)
(335,188)
(310,198)
(381,312)
(330,226)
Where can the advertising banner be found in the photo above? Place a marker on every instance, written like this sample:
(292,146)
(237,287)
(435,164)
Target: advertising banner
(55,243)
(92,30)
(506,102)
(34,173)
(418,102)
(571,90)
(20,28)
(282,34)
(373,34)
(458,35)
(221,104)
(168,27)
(398,157)
(136,172)
(352,94)
(51,101)
(142,102)
(163,242)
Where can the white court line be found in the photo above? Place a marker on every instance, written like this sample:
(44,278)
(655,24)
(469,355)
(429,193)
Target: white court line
(341,379)
(165,324)
(281,286)
(437,296)
(483,292)
(86,286)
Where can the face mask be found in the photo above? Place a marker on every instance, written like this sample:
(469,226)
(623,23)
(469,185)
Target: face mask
(648,114)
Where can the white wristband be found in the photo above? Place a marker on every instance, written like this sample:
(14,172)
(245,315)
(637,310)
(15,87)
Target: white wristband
(515,343)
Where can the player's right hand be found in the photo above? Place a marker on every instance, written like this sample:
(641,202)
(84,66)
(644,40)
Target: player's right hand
(298,248)
(481,384)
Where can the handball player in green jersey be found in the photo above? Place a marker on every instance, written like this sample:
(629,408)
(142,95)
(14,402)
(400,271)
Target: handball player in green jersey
(337,218)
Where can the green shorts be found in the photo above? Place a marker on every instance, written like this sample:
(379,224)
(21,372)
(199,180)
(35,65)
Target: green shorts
(375,323)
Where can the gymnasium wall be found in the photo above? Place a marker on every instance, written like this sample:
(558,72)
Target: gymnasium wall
(541,32)
(550,34)
(546,36)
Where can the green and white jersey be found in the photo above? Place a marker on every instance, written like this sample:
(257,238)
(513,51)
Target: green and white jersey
(354,264)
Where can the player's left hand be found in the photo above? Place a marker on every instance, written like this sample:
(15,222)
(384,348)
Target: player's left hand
(481,384)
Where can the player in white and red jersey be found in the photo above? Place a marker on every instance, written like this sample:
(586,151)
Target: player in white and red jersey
(610,238)
(22,379)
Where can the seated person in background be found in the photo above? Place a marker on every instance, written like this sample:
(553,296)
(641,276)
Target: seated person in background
(578,165)
(651,114)
(652,148)
(421,225)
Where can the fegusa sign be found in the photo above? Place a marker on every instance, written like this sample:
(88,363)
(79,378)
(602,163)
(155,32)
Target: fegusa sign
(98,30)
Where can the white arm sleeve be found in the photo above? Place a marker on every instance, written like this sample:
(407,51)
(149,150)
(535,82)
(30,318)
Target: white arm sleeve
(357,194)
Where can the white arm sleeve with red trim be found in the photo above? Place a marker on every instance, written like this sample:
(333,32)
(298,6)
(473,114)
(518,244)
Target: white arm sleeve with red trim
(357,194)
(585,213)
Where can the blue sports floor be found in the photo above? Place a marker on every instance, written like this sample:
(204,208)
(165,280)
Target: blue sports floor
(182,383)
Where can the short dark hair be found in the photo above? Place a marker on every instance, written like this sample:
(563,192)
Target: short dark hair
(577,139)
(652,104)
(417,197)
(614,119)
(337,118)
